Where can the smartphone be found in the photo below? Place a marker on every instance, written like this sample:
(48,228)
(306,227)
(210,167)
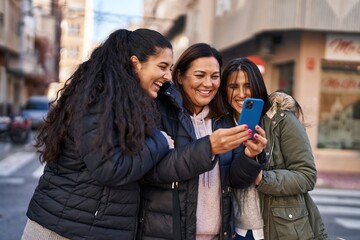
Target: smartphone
(251,113)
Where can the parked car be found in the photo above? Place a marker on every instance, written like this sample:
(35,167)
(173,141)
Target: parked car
(17,128)
(36,108)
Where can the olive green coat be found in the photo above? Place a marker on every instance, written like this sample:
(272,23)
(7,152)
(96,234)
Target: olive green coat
(288,210)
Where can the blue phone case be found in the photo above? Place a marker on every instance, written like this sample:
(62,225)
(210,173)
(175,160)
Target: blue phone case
(251,113)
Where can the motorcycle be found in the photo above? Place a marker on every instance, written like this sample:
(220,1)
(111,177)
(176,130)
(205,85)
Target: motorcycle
(16,128)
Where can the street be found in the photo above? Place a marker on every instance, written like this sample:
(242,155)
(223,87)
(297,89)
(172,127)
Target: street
(20,170)
(19,173)
(340,210)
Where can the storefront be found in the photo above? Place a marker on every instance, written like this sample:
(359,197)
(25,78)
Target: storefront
(339,113)
(322,71)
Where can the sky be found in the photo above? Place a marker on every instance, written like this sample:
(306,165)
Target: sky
(116,15)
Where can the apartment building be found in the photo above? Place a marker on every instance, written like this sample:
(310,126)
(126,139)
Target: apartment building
(310,49)
(76,35)
(29,46)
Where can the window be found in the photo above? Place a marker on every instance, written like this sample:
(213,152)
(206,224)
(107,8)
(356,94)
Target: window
(339,116)
(70,52)
(356,112)
(286,75)
(1,19)
(73,29)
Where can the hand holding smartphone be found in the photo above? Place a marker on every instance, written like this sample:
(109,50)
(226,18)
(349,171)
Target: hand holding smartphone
(251,113)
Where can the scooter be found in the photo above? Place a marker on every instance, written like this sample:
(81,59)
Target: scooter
(16,128)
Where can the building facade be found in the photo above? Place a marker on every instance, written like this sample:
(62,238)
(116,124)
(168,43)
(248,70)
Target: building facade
(76,35)
(29,46)
(310,49)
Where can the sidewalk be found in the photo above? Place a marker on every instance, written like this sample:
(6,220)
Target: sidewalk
(338,180)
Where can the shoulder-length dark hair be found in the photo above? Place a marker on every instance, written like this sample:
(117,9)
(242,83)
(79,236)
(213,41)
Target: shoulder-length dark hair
(199,50)
(108,82)
(253,75)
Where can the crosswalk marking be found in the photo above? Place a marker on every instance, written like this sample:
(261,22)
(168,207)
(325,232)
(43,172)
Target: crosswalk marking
(340,210)
(336,200)
(12,180)
(38,172)
(14,161)
(348,223)
(337,192)
(340,202)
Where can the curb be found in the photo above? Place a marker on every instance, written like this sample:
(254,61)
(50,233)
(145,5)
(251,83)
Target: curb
(338,180)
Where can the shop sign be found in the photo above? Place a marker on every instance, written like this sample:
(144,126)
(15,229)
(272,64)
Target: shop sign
(342,47)
(340,83)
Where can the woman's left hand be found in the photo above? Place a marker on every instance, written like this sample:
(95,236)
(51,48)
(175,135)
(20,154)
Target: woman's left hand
(256,146)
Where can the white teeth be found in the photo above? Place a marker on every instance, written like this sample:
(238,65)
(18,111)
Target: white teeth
(158,84)
(204,92)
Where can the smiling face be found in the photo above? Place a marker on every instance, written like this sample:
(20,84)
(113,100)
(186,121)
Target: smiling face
(155,71)
(201,81)
(238,88)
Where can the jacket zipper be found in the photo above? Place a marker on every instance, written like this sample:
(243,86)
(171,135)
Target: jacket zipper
(214,120)
(268,167)
(221,205)
(104,192)
(97,208)
(268,220)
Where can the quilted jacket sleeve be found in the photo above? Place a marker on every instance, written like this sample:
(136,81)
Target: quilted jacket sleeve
(293,168)
(119,168)
(244,170)
(183,163)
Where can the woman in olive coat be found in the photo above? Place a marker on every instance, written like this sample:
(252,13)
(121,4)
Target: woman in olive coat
(273,203)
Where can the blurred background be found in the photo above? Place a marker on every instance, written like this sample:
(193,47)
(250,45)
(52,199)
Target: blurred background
(308,48)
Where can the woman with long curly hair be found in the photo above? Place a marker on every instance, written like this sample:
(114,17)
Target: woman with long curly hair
(99,139)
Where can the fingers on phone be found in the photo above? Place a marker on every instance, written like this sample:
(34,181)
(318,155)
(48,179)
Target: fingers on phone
(260,130)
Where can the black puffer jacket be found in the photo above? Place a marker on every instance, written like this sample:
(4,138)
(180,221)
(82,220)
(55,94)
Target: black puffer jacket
(86,196)
(183,165)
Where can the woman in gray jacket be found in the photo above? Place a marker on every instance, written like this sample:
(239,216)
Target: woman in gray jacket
(274,202)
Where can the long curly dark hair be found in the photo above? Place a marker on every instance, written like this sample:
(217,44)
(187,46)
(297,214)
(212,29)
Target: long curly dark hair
(106,80)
